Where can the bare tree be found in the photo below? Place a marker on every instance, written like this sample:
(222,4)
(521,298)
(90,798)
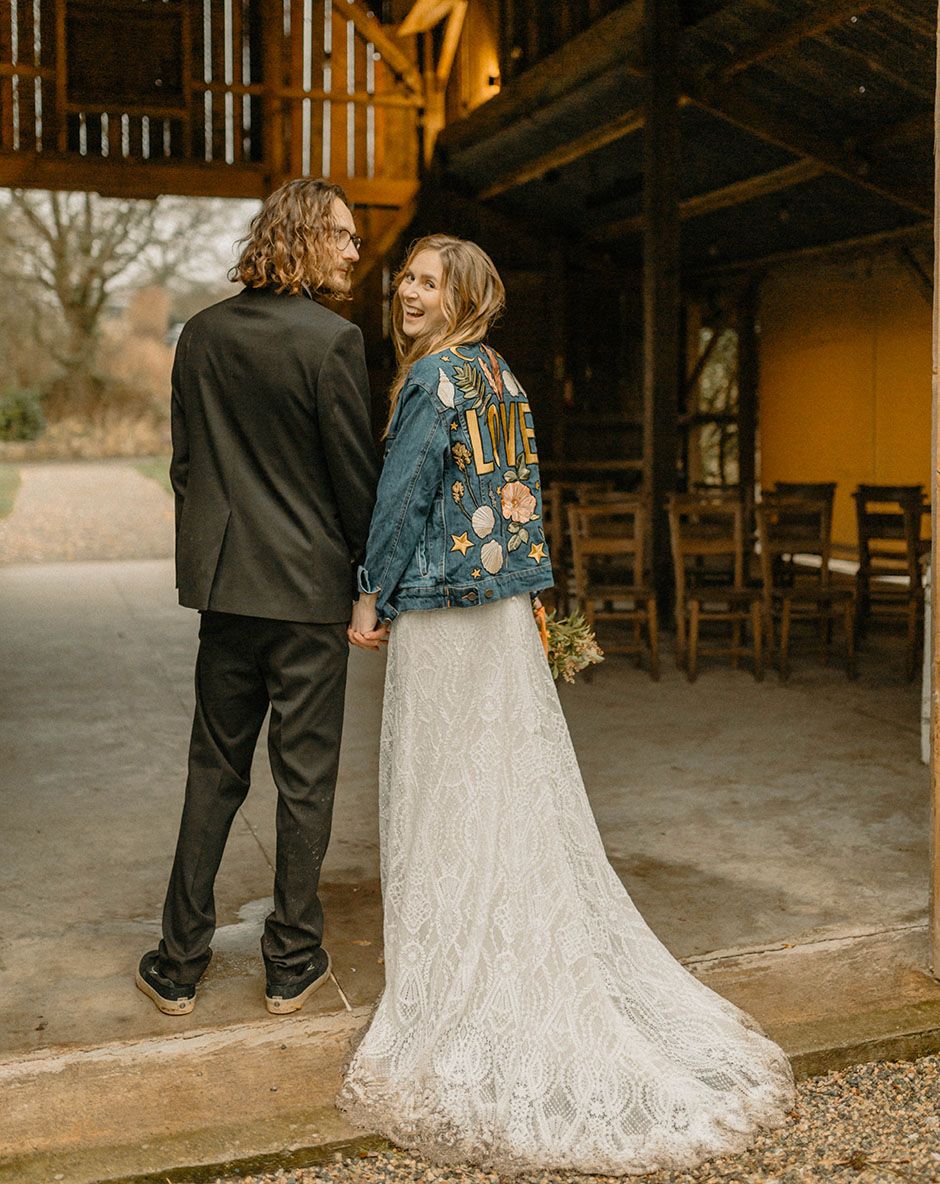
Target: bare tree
(66,254)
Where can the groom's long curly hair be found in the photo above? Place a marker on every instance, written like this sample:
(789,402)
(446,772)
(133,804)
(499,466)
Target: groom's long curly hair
(289,245)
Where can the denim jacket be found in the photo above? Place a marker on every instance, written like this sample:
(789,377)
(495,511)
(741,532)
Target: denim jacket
(458,516)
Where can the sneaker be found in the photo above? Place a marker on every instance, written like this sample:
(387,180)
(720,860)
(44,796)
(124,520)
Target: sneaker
(286,995)
(170,997)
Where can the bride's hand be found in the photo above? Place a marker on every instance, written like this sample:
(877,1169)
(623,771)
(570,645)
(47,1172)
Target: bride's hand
(372,640)
(364,630)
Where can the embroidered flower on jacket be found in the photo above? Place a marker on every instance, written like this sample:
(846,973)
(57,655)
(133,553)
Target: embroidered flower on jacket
(462,456)
(518,501)
(491,554)
(457,490)
(483,521)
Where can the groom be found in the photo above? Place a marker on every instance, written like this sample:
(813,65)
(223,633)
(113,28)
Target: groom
(274,473)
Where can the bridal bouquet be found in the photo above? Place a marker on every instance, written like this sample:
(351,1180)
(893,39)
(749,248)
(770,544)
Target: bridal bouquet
(570,644)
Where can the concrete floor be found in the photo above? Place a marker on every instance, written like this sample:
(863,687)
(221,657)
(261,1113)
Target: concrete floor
(740,815)
(745,819)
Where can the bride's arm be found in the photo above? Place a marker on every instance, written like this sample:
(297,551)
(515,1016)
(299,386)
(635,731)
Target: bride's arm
(411,476)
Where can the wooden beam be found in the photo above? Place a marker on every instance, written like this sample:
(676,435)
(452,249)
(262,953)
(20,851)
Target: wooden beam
(918,126)
(822,17)
(556,158)
(735,194)
(661,278)
(924,26)
(377,252)
(748,386)
(384,41)
(452,31)
(756,119)
(863,244)
(424,15)
(602,47)
(893,78)
(272,50)
(922,278)
(61,76)
(763,185)
(934,640)
(122,178)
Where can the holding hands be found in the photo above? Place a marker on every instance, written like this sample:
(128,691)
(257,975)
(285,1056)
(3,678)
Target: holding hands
(365,630)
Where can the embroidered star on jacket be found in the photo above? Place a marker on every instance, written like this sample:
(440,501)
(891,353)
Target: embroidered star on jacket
(476,573)
(461,543)
(537,552)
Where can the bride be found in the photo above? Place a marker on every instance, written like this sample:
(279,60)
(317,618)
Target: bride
(530,1019)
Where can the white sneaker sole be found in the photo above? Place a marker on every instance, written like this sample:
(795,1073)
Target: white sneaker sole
(167,1006)
(277,1005)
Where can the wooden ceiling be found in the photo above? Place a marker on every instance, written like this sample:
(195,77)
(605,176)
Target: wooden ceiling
(803,124)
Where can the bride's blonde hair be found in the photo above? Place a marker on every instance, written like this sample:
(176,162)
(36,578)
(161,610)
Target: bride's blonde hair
(472,297)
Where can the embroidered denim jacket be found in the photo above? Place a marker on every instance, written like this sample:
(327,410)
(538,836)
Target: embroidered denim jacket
(458,515)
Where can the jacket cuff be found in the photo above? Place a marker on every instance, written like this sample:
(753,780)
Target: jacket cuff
(364,582)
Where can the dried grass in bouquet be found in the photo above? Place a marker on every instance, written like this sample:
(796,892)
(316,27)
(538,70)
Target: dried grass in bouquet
(569,642)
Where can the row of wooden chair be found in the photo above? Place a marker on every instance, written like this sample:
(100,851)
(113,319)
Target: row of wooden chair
(607,537)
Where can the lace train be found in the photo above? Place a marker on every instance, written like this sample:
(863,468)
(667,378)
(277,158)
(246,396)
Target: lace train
(530,1018)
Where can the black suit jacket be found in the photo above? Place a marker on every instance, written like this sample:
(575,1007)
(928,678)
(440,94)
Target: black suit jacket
(274,467)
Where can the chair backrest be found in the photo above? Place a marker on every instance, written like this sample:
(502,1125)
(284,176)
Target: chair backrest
(813,490)
(553,525)
(889,520)
(703,527)
(790,526)
(609,531)
(576,490)
(593,496)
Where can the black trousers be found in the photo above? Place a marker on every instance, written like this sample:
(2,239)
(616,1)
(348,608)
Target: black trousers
(244,665)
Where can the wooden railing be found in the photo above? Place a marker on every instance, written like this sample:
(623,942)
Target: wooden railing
(226,96)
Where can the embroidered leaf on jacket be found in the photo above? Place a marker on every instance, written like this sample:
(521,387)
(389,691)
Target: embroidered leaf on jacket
(473,385)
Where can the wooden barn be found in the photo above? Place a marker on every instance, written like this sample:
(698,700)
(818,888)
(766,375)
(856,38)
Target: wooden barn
(715,218)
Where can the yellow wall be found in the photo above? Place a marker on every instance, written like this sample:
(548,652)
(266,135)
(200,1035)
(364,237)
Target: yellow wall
(845,379)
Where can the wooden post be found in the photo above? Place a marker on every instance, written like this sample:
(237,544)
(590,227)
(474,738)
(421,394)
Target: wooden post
(934,639)
(272,32)
(661,281)
(748,378)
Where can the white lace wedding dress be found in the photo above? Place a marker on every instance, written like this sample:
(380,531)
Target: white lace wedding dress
(530,1018)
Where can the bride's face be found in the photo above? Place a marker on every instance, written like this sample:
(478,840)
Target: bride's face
(420,295)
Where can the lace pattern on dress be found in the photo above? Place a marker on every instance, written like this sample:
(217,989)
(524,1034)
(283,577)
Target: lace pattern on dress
(530,1019)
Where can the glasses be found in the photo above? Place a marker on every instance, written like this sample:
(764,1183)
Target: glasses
(344,238)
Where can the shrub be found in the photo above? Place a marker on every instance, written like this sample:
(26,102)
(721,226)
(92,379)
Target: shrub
(21,416)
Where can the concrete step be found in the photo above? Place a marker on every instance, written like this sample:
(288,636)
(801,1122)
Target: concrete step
(226,1096)
(84,1115)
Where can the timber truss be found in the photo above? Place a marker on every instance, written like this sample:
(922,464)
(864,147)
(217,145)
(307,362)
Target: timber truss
(787,109)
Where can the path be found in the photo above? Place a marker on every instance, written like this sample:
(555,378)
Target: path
(87,510)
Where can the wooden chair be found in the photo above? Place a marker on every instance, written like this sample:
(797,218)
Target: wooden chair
(789,527)
(889,582)
(555,501)
(814,490)
(708,552)
(608,545)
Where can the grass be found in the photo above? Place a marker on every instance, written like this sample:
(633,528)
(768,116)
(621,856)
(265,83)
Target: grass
(157,469)
(9,484)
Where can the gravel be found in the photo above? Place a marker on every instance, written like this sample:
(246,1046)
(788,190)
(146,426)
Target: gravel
(871,1124)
